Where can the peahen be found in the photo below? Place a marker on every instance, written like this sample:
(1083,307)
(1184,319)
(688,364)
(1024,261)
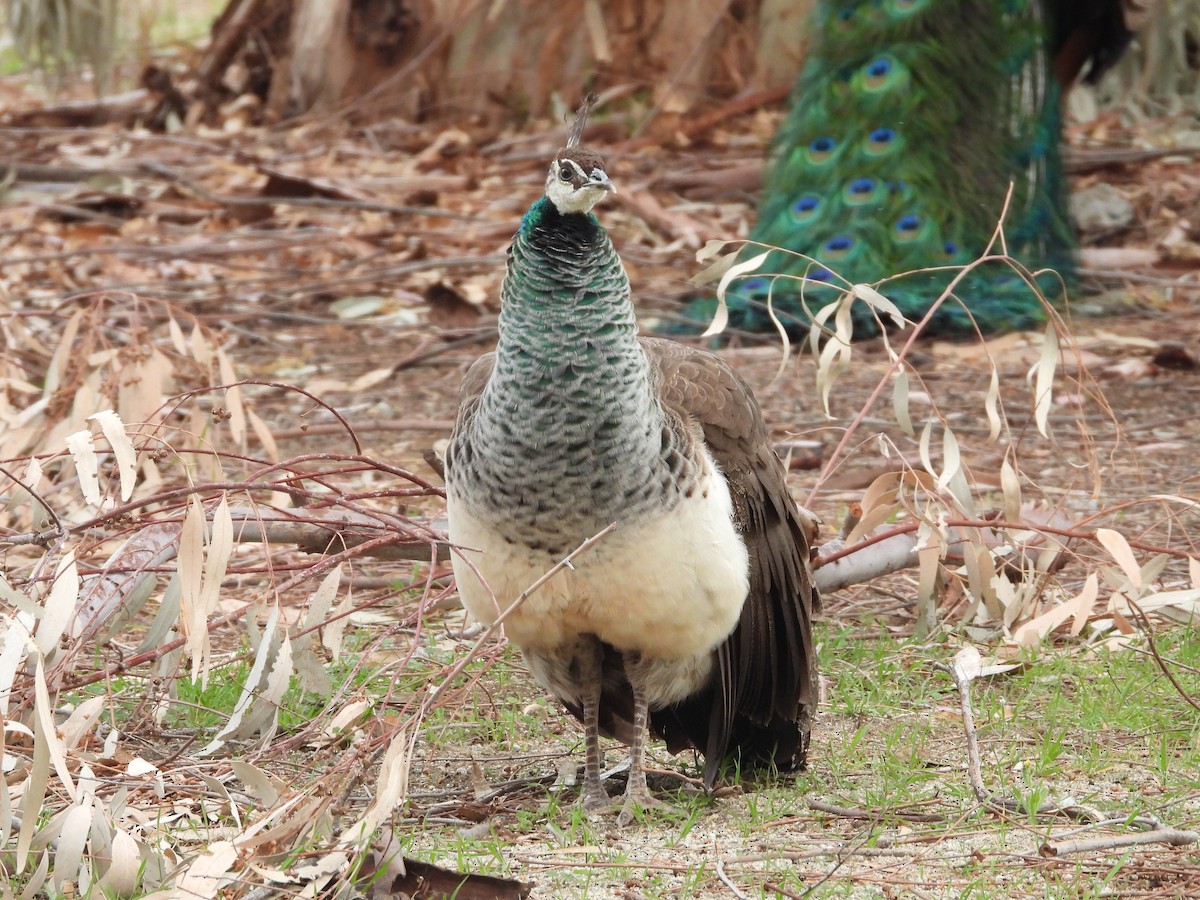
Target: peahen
(908,123)
(691,617)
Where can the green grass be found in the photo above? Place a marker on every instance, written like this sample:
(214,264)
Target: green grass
(1105,728)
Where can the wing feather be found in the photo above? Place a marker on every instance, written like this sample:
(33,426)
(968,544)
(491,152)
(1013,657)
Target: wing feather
(765,693)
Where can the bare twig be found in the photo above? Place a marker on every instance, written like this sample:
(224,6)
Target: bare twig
(873,815)
(1145,620)
(729,883)
(974,764)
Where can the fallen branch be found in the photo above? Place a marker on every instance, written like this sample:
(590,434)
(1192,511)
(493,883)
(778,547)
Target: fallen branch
(1160,835)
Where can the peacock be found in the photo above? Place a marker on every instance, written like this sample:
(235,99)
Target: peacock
(691,616)
(908,124)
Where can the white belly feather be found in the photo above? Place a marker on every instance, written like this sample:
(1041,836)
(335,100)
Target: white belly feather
(670,587)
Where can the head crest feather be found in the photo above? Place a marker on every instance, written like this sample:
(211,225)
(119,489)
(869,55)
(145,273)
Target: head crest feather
(575,135)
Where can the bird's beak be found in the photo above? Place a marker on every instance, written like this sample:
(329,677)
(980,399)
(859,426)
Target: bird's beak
(599,179)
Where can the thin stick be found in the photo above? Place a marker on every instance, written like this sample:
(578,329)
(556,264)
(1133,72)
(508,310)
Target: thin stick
(728,882)
(974,764)
(1141,614)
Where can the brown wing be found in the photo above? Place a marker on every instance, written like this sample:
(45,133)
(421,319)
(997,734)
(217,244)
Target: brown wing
(469,392)
(766,693)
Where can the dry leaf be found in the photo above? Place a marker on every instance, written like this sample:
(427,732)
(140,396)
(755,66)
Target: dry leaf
(122,448)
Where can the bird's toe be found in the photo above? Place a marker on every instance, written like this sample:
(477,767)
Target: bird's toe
(635,802)
(595,799)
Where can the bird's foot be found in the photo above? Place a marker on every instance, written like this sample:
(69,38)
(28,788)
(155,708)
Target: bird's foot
(595,799)
(635,801)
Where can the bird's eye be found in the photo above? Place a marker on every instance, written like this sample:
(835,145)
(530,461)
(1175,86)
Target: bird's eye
(565,173)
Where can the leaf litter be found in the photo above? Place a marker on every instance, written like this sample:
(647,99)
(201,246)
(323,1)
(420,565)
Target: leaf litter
(182,387)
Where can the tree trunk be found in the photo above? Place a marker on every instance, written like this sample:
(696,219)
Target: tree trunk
(498,58)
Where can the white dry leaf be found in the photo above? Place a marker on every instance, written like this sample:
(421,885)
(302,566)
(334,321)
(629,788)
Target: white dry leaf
(368,380)
(200,347)
(721,317)
(7,765)
(1084,603)
(257,708)
(1194,571)
(877,301)
(16,644)
(973,665)
(930,548)
(872,519)
(991,406)
(62,357)
(709,250)
(122,448)
(923,448)
(323,869)
(264,788)
(323,597)
(121,877)
(71,843)
(900,400)
(968,663)
(59,604)
(168,616)
(33,474)
(1185,600)
(1078,607)
(208,872)
(835,355)
(1043,380)
(263,433)
(882,491)
(178,341)
(951,459)
(233,399)
(593,17)
(390,790)
(81,720)
(193,619)
(220,550)
(33,793)
(143,386)
(139,768)
(311,669)
(981,576)
(37,782)
(224,798)
(332,633)
(358,307)
(960,490)
(46,733)
(83,452)
(280,877)
(37,879)
(1010,488)
(1118,548)
(346,716)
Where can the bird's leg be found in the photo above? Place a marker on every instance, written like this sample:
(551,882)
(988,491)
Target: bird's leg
(591,675)
(637,793)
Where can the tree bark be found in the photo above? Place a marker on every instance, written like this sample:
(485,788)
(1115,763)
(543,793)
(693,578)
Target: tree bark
(500,59)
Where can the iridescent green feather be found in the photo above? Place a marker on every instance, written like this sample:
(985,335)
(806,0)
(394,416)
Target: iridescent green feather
(909,122)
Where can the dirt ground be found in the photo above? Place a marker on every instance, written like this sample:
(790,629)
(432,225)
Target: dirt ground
(364,267)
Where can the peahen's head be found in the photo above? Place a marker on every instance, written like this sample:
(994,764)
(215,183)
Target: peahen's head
(577,181)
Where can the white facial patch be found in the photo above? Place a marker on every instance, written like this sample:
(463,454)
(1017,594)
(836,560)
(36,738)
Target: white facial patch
(572,190)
